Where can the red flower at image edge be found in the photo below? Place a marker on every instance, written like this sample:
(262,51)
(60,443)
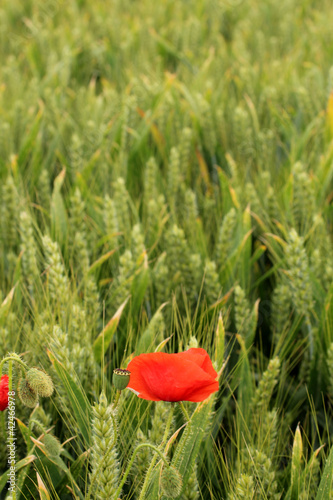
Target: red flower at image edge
(3,392)
(186,376)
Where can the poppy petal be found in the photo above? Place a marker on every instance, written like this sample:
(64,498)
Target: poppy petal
(201,358)
(173,377)
(3,392)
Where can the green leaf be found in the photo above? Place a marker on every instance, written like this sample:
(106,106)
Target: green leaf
(200,238)
(307,472)
(296,465)
(89,167)
(25,432)
(154,485)
(73,473)
(162,344)
(139,285)
(166,48)
(5,306)
(246,250)
(219,342)
(43,493)
(29,142)
(99,262)
(260,250)
(224,180)
(252,326)
(103,340)
(58,211)
(19,465)
(77,397)
(243,377)
(325,487)
(148,339)
(188,447)
(50,462)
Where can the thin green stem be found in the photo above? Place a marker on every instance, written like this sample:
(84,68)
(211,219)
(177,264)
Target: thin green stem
(310,331)
(15,358)
(38,424)
(184,411)
(117,399)
(2,423)
(128,468)
(168,425)
(154,459)
(10,376)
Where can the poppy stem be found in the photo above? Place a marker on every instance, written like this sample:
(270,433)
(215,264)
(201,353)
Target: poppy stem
(117,399)
(10,376)
(187,417)
(2,423)
(168,425)
(154,459)
(38,424)
(137,449)
(13,357)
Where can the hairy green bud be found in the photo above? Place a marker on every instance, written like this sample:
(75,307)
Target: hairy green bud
(27,395)
(171,482)
(40,382)
(52,445)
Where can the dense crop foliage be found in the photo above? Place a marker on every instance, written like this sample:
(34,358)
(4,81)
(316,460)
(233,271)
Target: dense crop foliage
(166,182)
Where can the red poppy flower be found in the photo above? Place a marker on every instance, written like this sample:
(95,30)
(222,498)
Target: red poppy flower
(3,392)
(186,376)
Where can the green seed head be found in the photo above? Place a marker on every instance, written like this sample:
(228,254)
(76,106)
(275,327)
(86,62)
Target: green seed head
(171,482)
(40,382)
(121,378)
(27,395)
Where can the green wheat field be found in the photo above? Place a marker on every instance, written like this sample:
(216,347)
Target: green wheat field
(166,182)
